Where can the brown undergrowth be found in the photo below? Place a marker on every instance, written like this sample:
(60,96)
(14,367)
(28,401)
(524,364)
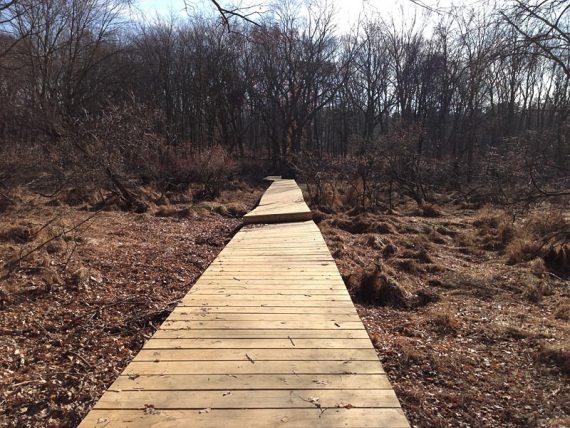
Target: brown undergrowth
(75,311)
(468,308)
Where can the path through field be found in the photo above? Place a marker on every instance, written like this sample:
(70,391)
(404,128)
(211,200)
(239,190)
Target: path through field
(268,336)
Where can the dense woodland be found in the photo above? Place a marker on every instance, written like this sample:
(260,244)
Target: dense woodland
(454,97)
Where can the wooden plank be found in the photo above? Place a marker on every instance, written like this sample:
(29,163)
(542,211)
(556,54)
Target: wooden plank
(282,202)
(276,288)
(261,334)
(272,298)
(264,343)
(247,367)
(263,317)
(241,267)
(260,310)
(265,325)
(274,275)
(266,303)
(251,418)
(256,355)
(243,280)
(266,292)
(247,382)
(253,399)
(272,288)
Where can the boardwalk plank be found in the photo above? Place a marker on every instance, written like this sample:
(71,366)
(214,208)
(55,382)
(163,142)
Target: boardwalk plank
(252,399)
(267,336)
(247,367)
(283,202)
(252,418)
(255,355)
(260,334)
(247,382)
(265,343)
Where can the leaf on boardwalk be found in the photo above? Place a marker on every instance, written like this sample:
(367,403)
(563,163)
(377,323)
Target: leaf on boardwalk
(149,409)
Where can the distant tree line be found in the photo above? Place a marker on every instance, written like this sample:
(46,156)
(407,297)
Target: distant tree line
(462,85)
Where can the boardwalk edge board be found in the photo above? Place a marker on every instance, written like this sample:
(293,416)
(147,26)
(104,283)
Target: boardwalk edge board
(268,336)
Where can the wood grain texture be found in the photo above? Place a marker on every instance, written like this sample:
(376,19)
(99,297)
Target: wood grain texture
(250,418)
(282,202)
(268,336)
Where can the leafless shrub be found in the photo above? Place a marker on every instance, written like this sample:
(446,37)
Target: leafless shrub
(555,356)
(542,234)
(534,291)
(444,322)
(562,312)
(212,168)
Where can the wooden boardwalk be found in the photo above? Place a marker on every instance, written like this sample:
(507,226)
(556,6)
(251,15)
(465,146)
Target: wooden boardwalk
(268,336)
(283,202)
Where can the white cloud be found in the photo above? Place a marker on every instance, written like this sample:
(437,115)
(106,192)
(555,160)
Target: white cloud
(348,12)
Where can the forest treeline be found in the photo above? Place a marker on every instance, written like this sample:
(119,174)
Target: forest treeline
(456,97)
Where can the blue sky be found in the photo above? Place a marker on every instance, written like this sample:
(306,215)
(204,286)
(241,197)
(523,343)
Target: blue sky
(347,11)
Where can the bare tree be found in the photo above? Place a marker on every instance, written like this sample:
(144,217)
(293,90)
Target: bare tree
(544,24)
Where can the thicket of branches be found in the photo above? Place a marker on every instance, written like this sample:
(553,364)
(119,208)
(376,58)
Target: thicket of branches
(478,95)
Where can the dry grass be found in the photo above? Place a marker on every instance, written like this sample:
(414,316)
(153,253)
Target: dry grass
(533,289)
(420,255)
(389,250)
(495,228)
(444,322)
(558,258)
(537,267)
(538,236)
(522,249)
(407,352)
(362,224)
(430,211)
(555,356)
(372,285)
(237,209)
(464,321)
(562,312)
(98,292)
(546,223)
(176,211)
(18,234)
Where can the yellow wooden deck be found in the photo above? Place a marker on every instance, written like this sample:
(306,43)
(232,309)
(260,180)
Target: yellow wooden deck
(283,202)
(268,336)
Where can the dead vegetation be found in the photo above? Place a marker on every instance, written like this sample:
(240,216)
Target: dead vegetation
(467,309)
(76,310)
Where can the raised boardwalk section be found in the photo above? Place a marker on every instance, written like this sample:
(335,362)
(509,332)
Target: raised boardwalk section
(267,337)
(283,202)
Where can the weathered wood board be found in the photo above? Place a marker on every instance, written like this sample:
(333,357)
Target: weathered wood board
(268,336)
(282,202)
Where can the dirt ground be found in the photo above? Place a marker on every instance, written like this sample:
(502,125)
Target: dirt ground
(468,335)
(75,312)
(466,338)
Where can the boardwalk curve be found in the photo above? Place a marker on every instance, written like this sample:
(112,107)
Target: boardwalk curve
(268,336)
